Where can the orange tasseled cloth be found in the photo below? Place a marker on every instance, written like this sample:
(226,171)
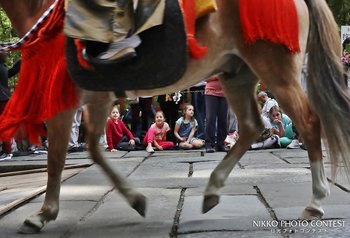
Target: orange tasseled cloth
(44,88)
(271,20)
(196,51)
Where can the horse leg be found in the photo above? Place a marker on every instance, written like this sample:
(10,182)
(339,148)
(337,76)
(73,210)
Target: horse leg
(95,123)
(58,133)
(283,81)
(308,124)
(240,93)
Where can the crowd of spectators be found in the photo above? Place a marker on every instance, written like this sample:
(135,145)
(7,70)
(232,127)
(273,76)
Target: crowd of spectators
(200,119)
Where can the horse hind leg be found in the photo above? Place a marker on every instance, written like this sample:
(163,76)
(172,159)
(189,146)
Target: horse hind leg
(58,133)
(294,103)
(240,93)
(95,122)
(308,124)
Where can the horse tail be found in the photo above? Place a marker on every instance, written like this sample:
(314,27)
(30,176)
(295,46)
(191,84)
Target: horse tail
(326,85)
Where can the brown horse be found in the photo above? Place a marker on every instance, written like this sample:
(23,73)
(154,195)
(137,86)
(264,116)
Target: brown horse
(240,67)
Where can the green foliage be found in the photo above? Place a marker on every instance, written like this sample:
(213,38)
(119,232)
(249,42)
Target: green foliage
(7,34)
(341,11)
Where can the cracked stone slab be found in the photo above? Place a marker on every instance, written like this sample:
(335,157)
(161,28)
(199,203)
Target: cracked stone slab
(250,159)
(237,189)
(170,183)
(340,178)
(232,213)
(160,168)
(115,218)
(289,200)
(65,221)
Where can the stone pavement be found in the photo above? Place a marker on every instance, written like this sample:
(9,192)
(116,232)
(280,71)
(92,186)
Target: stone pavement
(263,196)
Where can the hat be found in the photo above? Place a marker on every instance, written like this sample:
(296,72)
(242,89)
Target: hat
(262,94)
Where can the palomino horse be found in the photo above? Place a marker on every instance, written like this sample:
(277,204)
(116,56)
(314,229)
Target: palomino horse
(240,67)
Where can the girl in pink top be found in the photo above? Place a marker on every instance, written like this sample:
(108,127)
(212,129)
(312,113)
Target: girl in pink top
(156,134)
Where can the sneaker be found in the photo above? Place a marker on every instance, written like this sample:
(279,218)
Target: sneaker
(38,149)
(303,146)
(75,149)
(149,149)
(277,143)
(221,148)
(256,146)
(209,149)
(294,145)
(131,147)
(5,156)
(230,141)
(120,51)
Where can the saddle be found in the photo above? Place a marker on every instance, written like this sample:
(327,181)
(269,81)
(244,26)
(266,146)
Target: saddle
(161,59)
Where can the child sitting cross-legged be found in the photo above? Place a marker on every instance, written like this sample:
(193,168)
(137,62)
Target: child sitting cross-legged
(185,129)
(281,125)
(119,137)
(156,134)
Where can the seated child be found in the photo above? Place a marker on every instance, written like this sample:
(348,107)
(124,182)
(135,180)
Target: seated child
(156,134)
(118,135)
(185,129)
(281,125)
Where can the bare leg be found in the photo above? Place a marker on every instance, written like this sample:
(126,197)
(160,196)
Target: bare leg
(240,92)
(97,115)
(58,133)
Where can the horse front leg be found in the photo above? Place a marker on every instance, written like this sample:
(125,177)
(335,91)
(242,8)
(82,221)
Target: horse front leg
(95,123)
(240,93)
(58,134)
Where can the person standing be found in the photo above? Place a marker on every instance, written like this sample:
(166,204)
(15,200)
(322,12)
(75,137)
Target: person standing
(198,102)
(5,95)
(141,116)
(73,144)
(345,59)
(171,112)
(216,108)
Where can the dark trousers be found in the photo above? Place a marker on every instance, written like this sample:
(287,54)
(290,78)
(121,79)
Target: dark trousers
(145,107)
(124,144)
(198,102)
(6,145)
(216,120)
(171,114)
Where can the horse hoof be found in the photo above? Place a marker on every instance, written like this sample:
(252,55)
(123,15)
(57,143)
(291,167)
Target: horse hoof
(310,213)
(30,227)
(209,202)
(140,205)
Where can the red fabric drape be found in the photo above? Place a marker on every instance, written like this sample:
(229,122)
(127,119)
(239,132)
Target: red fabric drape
(271,20)
(44,88)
